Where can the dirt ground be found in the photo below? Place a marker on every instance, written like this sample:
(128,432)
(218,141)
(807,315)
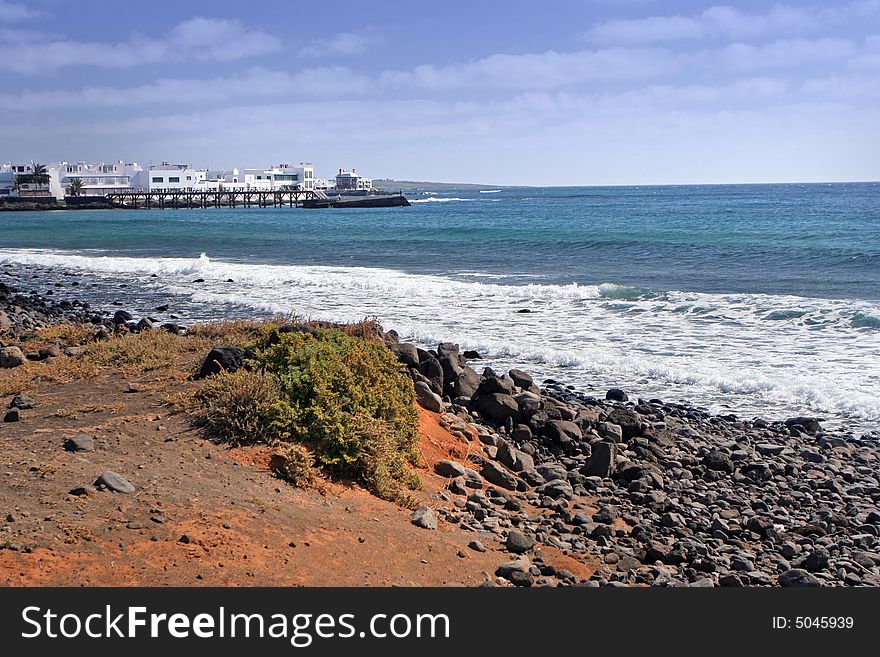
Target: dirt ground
(202,513)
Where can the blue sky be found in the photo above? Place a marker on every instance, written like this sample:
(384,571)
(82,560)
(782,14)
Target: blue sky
(587,92)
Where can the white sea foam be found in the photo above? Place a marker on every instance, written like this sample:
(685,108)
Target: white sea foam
(437,199)
(769,354)
(489,191)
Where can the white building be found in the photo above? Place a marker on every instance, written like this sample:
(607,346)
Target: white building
(19,180)
(350,180)
(100,178)
(168,177)
(281,177)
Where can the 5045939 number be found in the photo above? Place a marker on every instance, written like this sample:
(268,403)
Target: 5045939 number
(823,622)
(814,623)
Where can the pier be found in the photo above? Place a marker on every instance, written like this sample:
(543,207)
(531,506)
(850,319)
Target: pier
(161,200)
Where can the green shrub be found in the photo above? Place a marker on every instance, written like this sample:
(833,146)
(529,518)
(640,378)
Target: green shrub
(345,396)
(341,395)
(238,406)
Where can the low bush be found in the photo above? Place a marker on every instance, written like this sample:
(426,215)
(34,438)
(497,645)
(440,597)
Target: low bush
(341,395)
(295,463)
(239,406)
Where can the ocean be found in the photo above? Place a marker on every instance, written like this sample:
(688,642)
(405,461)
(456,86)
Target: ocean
(757,300)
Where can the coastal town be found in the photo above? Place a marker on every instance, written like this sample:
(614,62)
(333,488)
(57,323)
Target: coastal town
(53,182)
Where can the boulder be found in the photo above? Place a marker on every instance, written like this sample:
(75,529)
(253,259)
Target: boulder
(12,415)
(492,383)
(79,444)
(529,404)
(514,458)
(799,578)
(718,461)
(563,432)
(449,469)
(122,316)
(463,384)
(427,398)
(558,488)
(221,359)
(496,407)
(11,357)
(609,431)
(22,401)
(116,483)
(496,474)
(518,543)
(406,353)
(425,517)
(431,369)
(602,460)
(144,325)
(629,422)
(616,394)
(809,424)
(521,379)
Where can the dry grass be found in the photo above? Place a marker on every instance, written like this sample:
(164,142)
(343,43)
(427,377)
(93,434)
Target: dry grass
(236,407)
(296,463)
(239,331)
(143,351)
(67,335)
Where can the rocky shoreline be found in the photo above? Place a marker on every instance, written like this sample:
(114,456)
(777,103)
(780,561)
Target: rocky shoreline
(660,494)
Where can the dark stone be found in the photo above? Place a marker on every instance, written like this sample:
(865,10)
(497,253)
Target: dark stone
(23,402)
(496,407)
(431,369)
(122,316)
(616,394)
(513,458)
(406,353)
(563,432)
(558,488)
(163,308)
(81,491)
(817,559)
(496,474)
(628,421)
(521,379)
(463,384)
(810,424)
(221,359)
(798,577)
(425,517)
(12,415)
(519,578)
(115,482)
(602,461)
(427,398)
(143,325)
(518,543)
(718,461)
(449,469)
(79,444)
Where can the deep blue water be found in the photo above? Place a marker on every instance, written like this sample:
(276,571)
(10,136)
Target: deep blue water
(761,299)
(818,240)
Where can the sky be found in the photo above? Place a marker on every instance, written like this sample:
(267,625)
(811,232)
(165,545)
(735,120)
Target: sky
(588,92)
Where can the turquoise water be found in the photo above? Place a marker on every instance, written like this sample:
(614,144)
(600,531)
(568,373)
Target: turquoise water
(760,298)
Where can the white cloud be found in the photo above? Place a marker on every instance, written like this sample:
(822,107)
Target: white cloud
(344,43)
(539,70)
(257,82)
(200,39)
(13,11)
(725,21)
(786,53)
